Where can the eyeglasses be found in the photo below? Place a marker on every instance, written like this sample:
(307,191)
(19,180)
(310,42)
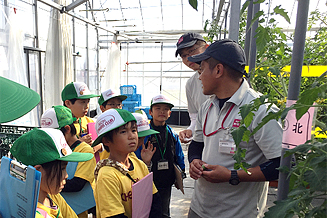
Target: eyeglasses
(190,52)
(115,105)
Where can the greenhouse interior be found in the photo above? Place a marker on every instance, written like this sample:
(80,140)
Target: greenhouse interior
(129,46)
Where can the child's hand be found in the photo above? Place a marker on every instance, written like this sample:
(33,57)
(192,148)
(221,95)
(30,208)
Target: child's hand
(87,139)
(97,148)
(147,153)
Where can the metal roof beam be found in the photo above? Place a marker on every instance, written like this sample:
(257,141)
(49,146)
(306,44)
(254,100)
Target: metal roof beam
(74,5)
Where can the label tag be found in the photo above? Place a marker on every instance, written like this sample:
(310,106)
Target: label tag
(227,146)
(163,165)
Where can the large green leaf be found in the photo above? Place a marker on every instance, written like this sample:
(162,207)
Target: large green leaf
(317,178)
(256,17)
(248,119)
(238,134)
(245,110)
(282,209)
(245,6)
(262,36)
(282,12)
(194,4)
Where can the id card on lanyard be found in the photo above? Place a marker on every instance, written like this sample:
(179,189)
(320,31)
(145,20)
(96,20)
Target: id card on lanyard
(163,163)
(226,144)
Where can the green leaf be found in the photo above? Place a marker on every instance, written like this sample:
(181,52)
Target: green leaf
(258,1)
(262,36)
(238,134)
(244,7)
(245,110)
(248,119)
(282,209)
(275,71)
(317,178)
(282,12)
(272,20)
(246,136)
(256,17)
(194,4)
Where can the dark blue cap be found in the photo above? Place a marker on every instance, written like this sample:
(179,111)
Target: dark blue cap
(187,40)
(225,51)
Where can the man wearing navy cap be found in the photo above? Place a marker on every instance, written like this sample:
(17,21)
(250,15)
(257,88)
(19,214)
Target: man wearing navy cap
(221,191)
(191,44)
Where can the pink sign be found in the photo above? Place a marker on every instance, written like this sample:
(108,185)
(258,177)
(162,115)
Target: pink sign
(297,132)
(142,197)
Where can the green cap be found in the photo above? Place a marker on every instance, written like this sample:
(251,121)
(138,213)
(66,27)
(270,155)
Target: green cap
(109,94)
(56,117)
(78,90)
(110,120)
(16,100)
(44,145)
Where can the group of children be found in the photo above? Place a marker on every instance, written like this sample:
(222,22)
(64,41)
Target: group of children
(81,175)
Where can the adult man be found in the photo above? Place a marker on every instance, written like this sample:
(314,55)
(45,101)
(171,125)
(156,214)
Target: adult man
(221,191)
(191,44)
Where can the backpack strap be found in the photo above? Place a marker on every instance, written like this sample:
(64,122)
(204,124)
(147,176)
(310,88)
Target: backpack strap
(112,163)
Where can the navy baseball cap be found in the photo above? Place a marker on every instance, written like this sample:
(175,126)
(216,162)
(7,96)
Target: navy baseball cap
(187,40)
(225,51)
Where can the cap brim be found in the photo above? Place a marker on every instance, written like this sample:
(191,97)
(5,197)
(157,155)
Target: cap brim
(77,157)
(122,97)
(98,140)
(185,45)
(147,132)
(87,96)
(16,100)
(170,105)
(198,58)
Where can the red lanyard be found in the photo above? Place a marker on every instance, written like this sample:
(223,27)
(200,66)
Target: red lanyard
(222,124)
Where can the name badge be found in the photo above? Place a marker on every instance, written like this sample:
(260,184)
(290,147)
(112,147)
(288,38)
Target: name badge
(163,165)
(227,146)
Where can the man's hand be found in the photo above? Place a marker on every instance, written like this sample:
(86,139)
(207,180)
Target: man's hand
(185,135)
(87,139)
(216,173)
(147,153)
(196,169)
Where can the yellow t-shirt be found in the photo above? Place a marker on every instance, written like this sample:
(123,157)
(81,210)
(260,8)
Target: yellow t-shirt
(84,121)
(105,154)
(85,170)
(65,209)
(113,190)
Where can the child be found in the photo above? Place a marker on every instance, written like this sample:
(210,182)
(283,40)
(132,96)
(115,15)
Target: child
(143,130)
(168,150)
(108,99)
(111,99)
(47,150)
(81,176)
(76,96)
(117,130)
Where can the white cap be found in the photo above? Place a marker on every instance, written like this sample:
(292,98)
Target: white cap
(143,128)
(161,99)
(108,94)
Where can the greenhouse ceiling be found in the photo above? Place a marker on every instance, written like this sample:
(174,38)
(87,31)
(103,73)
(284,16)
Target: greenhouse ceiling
(163,20)
(145,20)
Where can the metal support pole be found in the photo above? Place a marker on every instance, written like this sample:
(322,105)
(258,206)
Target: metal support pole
(248,32)
(234,21)
(253,47)
(294,83)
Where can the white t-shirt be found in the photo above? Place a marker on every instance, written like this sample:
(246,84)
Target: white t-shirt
(245,199)
(194,94)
